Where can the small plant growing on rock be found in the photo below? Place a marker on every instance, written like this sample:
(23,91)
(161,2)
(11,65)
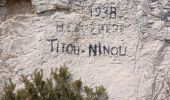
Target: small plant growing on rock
(58,87)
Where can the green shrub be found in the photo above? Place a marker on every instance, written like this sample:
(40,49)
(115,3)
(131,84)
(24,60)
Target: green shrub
(58,87)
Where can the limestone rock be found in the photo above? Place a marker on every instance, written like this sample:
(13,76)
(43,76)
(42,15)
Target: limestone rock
(44,5)
(3,2)
(3,12)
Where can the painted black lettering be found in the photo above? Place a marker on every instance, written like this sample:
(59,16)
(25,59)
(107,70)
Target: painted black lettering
(100,49)
(106,11)
(51,41)
(63,47)
(115,27)
(76,50)
(113,12)
(114,51)
(106,49)
(92,49)
(69,49)
(98,10)
(57,48)
(121,52)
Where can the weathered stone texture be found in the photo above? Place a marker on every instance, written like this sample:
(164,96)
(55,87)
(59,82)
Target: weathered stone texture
(121,44)
(3,2)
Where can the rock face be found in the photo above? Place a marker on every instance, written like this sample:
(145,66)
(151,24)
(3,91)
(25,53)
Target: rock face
(121,44)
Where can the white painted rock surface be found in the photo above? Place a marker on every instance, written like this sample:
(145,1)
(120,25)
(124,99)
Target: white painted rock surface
(121,44)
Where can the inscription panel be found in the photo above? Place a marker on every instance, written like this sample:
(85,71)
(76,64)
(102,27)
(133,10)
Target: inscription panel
(93,49)
(100,19)
(92,28)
